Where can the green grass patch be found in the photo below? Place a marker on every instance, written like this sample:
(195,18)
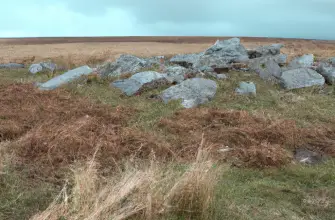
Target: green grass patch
(296,192)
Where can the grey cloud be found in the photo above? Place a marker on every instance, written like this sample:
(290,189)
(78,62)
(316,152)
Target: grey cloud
(272,18)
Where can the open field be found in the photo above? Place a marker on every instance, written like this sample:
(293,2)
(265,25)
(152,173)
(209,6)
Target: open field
(79,51)
(86,151)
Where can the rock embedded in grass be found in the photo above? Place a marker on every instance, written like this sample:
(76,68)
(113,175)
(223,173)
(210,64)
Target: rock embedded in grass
(301,78)
(66,78)
(192,92)
(11,66)
(307,157)
(42,67)
(327,71)
(139,81)
(246,88)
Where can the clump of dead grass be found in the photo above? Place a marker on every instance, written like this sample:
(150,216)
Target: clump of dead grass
(238,136)
(51,130)
(150,192)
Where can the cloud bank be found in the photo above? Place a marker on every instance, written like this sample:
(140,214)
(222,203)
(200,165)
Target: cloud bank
(314,19)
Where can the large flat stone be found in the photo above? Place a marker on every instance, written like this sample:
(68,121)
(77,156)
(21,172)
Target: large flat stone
(66,78)
(301,78)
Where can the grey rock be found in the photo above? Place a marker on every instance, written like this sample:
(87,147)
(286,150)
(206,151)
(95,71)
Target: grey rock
(147,76)
(126,64)
(176,74)
(300,78)
(221,76)
(308,157)
(186,60)
(327,71)
(266,68)
(206,69)
(11,66)
(35,68)
(246,88)
(66,78)
(139,81)
(42,67)
(281,59)
(332,60)
(222,54)
(127,86)
(49,66)
(262,51)
(305,61)
(192,92)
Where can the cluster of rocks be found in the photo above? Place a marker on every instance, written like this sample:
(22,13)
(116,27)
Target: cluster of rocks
(185,74)
(225,55)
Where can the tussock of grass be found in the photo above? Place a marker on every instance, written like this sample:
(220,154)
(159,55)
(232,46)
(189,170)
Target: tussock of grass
(137,193)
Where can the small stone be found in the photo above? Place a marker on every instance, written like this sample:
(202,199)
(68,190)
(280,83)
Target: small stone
(11,66)
(246,88)
(35,68)
(221,76)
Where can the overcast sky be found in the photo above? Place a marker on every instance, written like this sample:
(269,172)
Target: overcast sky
(268,18)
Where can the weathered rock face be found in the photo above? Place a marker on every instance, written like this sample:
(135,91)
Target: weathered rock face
(139,81)
(186,60)
(246,88)
(65,78)
(127,64)
(328,72)
(176,74)
(11,66)
(266,68)
(192,92)
(262,51)
(305,61)
(300,78)
(222,54)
